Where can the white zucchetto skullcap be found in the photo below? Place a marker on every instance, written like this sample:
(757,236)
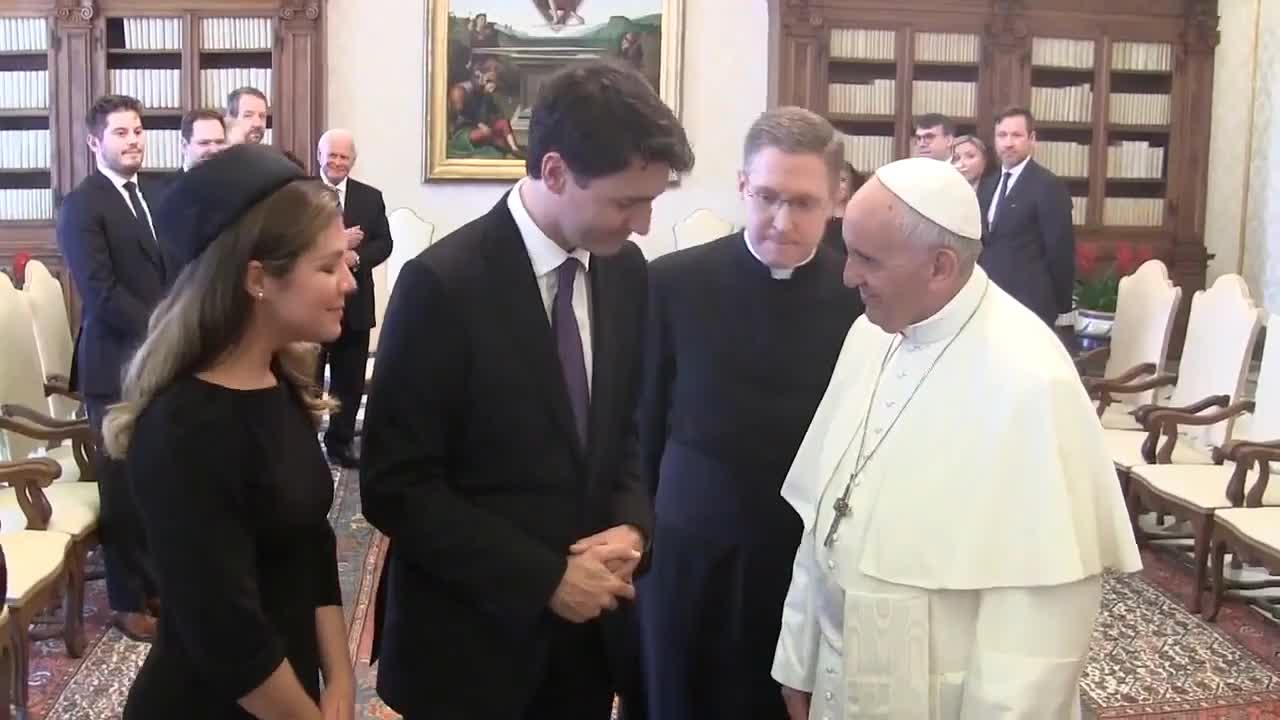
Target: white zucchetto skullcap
(937,191)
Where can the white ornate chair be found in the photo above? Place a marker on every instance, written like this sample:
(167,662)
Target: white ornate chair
(48,309)
(1221,332)
(1195,492)
(701,226)
(1145,309)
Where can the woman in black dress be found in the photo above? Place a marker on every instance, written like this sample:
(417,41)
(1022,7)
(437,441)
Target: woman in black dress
(218,426)
(850,181)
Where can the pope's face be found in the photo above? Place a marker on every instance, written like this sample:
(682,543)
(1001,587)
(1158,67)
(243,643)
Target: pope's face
(893,274)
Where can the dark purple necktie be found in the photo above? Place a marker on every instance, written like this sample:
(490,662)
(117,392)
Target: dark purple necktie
(564,324)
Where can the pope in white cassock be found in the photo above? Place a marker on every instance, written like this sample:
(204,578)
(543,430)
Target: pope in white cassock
(958,504)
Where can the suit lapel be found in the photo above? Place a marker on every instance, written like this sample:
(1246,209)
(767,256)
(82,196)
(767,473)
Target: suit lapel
(129,224)
(529,328)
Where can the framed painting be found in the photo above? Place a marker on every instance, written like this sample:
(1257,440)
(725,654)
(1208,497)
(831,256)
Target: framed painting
(487,60)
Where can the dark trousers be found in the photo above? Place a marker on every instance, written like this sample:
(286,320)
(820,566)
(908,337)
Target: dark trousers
(346,357)
(129,579)
(710,612)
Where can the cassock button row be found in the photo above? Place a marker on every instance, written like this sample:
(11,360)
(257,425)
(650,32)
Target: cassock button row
(829,696)
(902,374)
(877,431)
(831,670)
(831,564)
(890,403)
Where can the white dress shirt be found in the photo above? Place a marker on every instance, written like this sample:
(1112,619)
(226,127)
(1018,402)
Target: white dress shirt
(546,257)
(119,180)
(340,187)
(1014,172)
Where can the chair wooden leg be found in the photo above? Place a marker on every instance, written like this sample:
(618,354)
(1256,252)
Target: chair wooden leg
(1202,526)
(1219,581)
(1134,502)
(73,606)
(21,659)
(6,678)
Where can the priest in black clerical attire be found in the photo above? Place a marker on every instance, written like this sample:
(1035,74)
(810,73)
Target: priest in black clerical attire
(743,336)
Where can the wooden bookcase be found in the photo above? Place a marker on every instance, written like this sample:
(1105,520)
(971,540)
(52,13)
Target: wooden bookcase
(174,55)
(1121,90)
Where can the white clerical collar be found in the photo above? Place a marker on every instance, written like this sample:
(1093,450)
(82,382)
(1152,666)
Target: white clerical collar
(116,178)
(776,273)
(948,321)
(544,253)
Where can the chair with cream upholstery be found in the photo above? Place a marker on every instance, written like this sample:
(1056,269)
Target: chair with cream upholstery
(1145,307)
(47,304)
(410,235)
(38,570)
(1194,492)
(701,226)
(1221,332)
(70,506)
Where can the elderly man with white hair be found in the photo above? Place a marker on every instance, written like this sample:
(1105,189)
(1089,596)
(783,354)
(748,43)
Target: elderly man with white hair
(959,507)
(369,239)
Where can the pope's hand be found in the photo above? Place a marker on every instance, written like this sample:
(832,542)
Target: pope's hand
(796,702)
(625,535)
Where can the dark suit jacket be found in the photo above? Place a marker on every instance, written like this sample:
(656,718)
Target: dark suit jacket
(363,206)
(473,469)
(120,274)
(1030,252)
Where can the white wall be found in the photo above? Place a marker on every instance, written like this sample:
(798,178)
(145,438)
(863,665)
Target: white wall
(377,71)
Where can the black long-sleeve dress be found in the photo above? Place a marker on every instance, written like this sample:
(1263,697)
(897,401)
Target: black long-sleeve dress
(234,494)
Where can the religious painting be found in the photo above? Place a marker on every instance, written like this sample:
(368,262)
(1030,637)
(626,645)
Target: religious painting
(489,58)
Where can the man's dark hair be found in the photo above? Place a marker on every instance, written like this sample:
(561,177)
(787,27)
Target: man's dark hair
(933,120)
(96,119)
(194,116)
(600,116)
(1016,112)
(233,99)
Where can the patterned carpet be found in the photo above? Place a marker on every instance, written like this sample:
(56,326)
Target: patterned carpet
(1151,660)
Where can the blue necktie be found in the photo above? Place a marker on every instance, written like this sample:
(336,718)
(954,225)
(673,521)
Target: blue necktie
(564,324)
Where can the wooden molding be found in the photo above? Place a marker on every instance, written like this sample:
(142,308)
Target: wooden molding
(79,12)
(300,10)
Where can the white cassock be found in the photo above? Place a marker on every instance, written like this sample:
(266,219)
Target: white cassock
(965,581)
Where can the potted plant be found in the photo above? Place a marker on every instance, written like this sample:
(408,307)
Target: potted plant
(1098,285)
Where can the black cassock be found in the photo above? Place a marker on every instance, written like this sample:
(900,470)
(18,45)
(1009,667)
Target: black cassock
(736,363)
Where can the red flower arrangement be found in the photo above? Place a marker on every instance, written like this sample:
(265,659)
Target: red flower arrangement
(1098,278)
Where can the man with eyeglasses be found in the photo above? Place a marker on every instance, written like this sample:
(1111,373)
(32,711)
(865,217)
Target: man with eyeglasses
(933,136)
(743,335)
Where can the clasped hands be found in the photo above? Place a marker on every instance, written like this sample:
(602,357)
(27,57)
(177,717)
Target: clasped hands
(599,572)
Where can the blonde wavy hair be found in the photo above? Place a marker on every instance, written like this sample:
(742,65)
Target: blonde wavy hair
(205,314)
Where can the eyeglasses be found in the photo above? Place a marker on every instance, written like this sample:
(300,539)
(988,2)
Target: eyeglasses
(770,202)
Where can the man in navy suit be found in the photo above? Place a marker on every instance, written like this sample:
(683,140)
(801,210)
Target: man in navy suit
(106,234)
(1029,244)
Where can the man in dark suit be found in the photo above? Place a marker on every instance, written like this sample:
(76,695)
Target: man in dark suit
(365,217)
(500,450)
(203,135)
(1029,244)
(106,234)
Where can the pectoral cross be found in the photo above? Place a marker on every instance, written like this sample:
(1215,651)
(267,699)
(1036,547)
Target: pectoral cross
(842,510)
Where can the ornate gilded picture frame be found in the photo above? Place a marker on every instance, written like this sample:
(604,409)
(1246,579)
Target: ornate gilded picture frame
(488,58)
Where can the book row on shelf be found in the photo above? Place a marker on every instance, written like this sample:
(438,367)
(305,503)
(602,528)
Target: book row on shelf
(1073,103)
(1142,56)
(25,150)
(236,34)
(1079,210)
(24,34)
(26,204)
(1138,109)
(1135,159)
(1144,212)
(24,89)
(866,153)
(851,44)
(946,48)
(155,87)
(153,33)
(1065,159)
(956,99)
(1062,53)
(217,83)
(873,98)
(163,150)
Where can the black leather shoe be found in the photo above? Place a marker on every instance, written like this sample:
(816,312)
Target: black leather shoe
(344,457)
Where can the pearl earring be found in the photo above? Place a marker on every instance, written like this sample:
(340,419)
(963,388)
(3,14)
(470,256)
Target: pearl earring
(259,294)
